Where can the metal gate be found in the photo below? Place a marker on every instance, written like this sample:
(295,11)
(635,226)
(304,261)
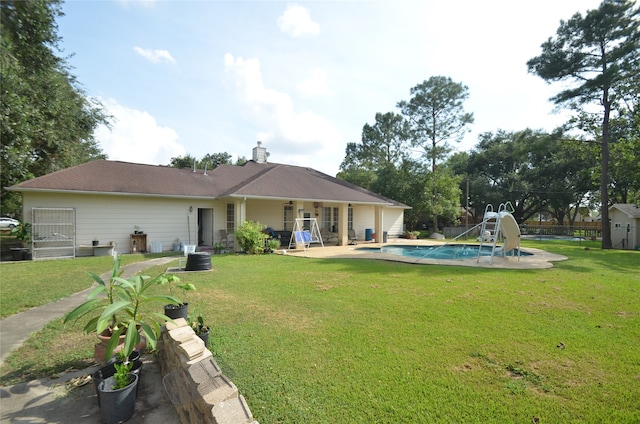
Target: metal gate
(53,233)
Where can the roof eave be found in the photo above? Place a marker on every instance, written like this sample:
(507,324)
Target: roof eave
(380,203)
(106,193)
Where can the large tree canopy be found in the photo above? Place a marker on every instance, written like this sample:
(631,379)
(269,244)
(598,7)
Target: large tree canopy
(599,54)
(46,120)
(436,116)
(383,162)
(383,146)
(535,171)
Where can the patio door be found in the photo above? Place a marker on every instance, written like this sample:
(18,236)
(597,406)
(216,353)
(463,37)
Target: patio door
(307,222)
(205,227)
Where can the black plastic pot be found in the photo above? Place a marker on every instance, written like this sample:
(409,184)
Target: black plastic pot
(135,355)
(109,370)
(205,338)
(177,311)
(199,261)
(19,253)
(117,406)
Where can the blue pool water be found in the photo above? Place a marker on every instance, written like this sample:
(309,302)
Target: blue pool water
(453,251)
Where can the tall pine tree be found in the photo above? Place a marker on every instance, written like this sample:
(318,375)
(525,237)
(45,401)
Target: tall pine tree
(599,54)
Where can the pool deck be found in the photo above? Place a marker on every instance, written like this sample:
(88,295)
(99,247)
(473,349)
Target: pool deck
(539,260)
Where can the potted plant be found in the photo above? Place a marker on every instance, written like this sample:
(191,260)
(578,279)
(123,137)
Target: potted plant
(117,394)
(218,248)
(180,309)
(197,324)
(114,312)
(411,234)
(110,369)
(137,230)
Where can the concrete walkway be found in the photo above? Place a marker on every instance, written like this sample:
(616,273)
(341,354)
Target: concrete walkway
(48,400)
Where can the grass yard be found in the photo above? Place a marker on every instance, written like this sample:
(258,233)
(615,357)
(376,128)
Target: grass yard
(26,284)
(355,341)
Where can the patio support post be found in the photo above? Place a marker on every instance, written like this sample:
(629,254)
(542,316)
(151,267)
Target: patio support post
(241,211)
(298,212)
(379,219)
(343,222)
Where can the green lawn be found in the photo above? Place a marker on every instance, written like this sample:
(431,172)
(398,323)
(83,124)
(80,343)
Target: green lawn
(26,284)
(318,341)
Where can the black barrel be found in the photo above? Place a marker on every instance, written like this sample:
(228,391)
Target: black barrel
(199,261)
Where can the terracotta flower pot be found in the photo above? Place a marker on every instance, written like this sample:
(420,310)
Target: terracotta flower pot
(100,348)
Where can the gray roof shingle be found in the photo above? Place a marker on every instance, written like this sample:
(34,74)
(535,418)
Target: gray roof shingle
(270,180)
(632,210)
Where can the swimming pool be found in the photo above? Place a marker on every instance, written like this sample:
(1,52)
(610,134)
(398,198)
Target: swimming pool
(447,251)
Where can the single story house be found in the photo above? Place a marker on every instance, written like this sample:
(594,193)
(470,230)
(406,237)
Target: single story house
(625,225)
(139,207)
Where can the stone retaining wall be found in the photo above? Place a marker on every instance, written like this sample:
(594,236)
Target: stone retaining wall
(194,382)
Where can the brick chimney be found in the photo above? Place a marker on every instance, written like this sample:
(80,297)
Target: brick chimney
(260,153)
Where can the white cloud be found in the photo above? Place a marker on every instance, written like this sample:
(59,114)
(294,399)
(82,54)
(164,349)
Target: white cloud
(296,22)
(301,137)
(155,56)
(316,84)
(135,136)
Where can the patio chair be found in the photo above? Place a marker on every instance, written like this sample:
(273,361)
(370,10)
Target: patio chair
(227,240)
(353,239)
(328,236)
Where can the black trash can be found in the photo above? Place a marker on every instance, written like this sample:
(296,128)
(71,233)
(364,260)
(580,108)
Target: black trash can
(384,236)
(199,261)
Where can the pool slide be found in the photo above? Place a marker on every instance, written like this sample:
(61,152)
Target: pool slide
(510,231)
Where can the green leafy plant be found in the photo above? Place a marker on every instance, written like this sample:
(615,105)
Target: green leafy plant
(273,244)
(120,357)
(122,375)
(184,287)
(250,237)
(218,247)
(22,232)
(114,308)
(196,322)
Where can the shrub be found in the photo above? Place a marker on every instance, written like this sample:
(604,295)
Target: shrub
(273,244)
(250,237)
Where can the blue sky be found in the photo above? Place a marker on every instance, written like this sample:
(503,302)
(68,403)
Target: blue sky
(198,77)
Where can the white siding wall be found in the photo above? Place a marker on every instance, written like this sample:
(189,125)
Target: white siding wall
(393,221)
(267,212)
(113,218)
(364,217)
